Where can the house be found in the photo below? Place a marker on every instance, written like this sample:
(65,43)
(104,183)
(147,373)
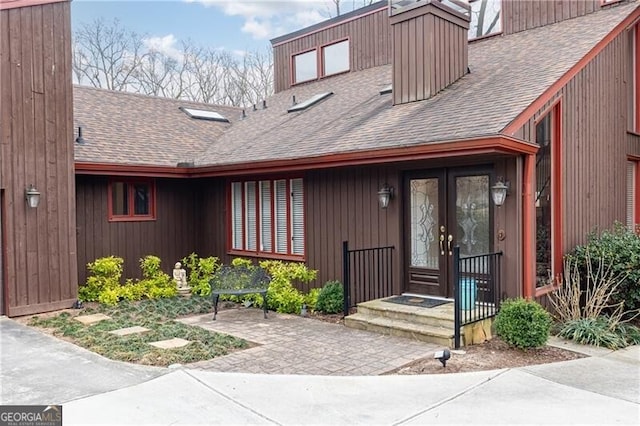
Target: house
(420,104)
(38,264)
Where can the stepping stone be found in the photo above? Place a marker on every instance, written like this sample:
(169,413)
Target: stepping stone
(176,342)
(129,330)
(92,319)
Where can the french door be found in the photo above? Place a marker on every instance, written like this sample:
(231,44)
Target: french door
(444,208)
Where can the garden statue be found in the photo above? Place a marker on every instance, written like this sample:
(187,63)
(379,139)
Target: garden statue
(180,279)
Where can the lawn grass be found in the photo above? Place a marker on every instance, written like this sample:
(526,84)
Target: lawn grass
(159,317)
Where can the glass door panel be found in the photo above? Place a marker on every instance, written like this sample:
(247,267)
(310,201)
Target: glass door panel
(424,207)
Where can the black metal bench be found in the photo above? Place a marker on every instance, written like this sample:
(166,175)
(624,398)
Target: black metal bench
(239,280)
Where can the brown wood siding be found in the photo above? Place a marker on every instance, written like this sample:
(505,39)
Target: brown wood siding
(595,143)
(37,148)
(342,205)
(369,44)
(171,236)
(211,239)
(430,53)
(521,15)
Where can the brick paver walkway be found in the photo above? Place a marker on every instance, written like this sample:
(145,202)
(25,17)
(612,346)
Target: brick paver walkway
(291,344)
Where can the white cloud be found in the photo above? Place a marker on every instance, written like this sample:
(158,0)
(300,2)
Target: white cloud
(272,18)
(165,45)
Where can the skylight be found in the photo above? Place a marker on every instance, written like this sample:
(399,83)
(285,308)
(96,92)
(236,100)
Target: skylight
(387,89)
(309,102)
(202,114)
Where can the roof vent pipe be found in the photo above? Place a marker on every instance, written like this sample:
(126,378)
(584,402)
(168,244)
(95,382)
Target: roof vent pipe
(254,107)
(294,100)
(264,104)
(80,140)
(244,114)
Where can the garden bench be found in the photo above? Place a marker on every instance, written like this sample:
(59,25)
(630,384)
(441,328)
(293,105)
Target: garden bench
(239,280)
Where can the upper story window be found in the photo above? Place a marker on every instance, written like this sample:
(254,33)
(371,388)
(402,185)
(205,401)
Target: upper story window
(485,18)
(131,200)
(267,217)
(333,58)
(635,45)
(305,66)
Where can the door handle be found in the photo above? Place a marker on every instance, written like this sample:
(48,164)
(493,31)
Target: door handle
(449,239)
(441,245)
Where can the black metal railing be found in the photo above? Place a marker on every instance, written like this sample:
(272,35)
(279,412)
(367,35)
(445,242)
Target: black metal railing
(476,289)
(367,274)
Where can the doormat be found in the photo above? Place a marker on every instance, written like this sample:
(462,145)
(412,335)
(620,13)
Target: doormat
(422,302)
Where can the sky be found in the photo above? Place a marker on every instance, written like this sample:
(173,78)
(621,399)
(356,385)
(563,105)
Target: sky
(237,26)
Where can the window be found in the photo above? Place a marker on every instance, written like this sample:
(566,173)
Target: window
(635,44)
(305,66)
(267,217)
(335,58)
(131,200)
(548,200)
(485,18)
(633,203)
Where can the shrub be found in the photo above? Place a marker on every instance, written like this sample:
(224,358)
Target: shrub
(282,296)
(523,323)
(331,298)
(201,270)
(155,283)
(618,249)
(105,275)
(600,331)
(311,298)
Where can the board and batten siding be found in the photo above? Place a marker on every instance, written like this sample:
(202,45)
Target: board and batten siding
(171,236)
(369,45)
(40,266)
(595,142)
(521,15)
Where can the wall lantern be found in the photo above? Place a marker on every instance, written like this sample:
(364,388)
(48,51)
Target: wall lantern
(33,196)
(385,195)
(499,192)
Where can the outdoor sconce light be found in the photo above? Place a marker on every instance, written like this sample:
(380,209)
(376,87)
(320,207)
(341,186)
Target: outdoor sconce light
(499,192)
(33,196)
(384,195)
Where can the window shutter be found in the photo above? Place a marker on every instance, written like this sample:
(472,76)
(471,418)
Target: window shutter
(236,215)
(280,207)
(631,194)
(297,217)
(265,216)
(250,216)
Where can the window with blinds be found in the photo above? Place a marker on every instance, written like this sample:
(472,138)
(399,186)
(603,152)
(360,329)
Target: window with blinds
(631,194)
(267,217)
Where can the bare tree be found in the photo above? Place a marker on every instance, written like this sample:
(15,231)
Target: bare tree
(106,55)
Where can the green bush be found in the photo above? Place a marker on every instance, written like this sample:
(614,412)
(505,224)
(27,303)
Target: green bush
(600,331)
(331,298)
(282,296)
(311,299)
(523,323)
(155,283)
(105,277)
(619,248)
(201,270)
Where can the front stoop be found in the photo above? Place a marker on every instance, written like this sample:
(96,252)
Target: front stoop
(431,325)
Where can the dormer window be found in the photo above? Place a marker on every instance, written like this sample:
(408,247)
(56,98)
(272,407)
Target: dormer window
(335,58)
(323,61)
(305,66)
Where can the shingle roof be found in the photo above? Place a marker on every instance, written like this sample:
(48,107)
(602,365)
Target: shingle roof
(127,128)
(507,74)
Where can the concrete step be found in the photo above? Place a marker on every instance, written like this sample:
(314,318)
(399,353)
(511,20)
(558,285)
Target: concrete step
(401,328)
(439,316)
